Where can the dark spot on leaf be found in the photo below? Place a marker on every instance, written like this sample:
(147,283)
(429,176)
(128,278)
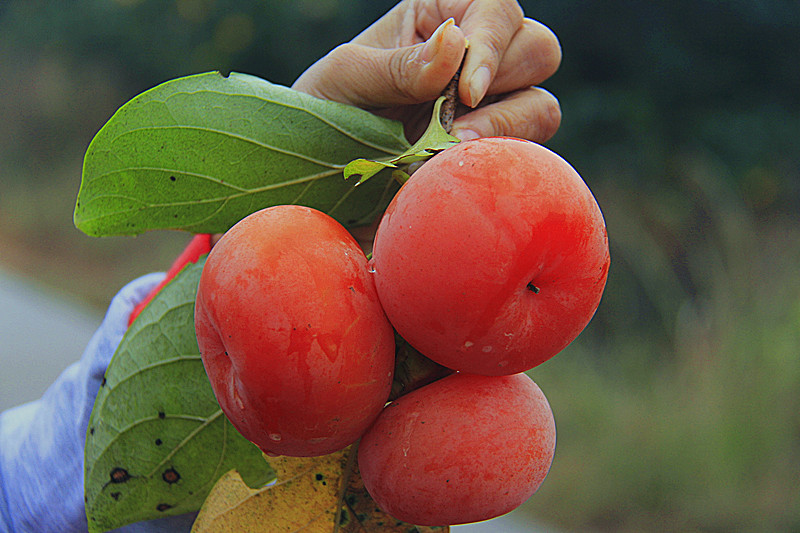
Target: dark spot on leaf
(91,431)
(162,415)
(103,383)
(163,507)
(159,442)
(119,475)
(319,477)
(532,287)
(116,495)
(171,476)
(172,178)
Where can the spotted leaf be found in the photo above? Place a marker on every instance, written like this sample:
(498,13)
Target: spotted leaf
(157,440)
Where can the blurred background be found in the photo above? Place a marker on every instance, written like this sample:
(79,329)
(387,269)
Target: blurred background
(678,409)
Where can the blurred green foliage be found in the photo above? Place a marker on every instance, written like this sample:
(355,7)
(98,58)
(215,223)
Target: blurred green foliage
(678,406)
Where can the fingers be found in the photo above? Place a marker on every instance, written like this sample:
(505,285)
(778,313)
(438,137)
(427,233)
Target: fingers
(390,65)
(490,26)
(533,55)
(373,78)
(532,114)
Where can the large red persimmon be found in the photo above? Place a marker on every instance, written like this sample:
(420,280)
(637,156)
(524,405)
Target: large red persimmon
(492,257)
(463,449)
(297,347)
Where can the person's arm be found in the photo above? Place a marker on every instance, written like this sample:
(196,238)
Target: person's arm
(41,442)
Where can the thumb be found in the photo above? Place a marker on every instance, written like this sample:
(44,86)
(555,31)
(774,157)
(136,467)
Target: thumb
(378,78)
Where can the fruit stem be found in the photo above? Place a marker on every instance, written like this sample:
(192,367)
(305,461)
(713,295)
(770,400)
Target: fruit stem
(448,113)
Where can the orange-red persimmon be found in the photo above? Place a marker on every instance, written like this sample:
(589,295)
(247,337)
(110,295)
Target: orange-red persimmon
(493,257)
(463,449)
(298,350)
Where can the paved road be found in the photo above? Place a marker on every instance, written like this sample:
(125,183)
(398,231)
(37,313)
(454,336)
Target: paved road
(41,334)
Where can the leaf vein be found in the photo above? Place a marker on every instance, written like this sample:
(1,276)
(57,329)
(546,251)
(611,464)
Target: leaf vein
(284,105)
(256,142)
(205,423)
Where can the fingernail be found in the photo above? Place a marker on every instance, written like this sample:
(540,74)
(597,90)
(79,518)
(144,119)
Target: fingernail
(434,42)
(478,85)
(465,134)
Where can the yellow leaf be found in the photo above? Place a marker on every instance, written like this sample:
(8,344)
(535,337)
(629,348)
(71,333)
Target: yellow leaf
(312,495)
(304,498)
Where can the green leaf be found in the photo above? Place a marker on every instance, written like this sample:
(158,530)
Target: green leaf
(200,153)
(157,439)
(434,140)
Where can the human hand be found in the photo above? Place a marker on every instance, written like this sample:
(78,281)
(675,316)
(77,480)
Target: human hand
(402,62)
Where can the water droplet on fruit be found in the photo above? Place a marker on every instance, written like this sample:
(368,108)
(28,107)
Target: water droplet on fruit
(371,269)
(468,344)
(275,436)
(461,163)
(486,349)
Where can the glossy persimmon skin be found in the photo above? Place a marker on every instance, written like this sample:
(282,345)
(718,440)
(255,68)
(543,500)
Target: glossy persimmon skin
(463,449)
(493,256)
(298,350)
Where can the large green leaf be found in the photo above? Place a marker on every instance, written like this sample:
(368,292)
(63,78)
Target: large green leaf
(200,153)
(158,440)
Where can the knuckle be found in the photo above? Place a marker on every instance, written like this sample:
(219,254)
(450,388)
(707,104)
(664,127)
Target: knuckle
(506,19)
(504,122)
(401,73)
